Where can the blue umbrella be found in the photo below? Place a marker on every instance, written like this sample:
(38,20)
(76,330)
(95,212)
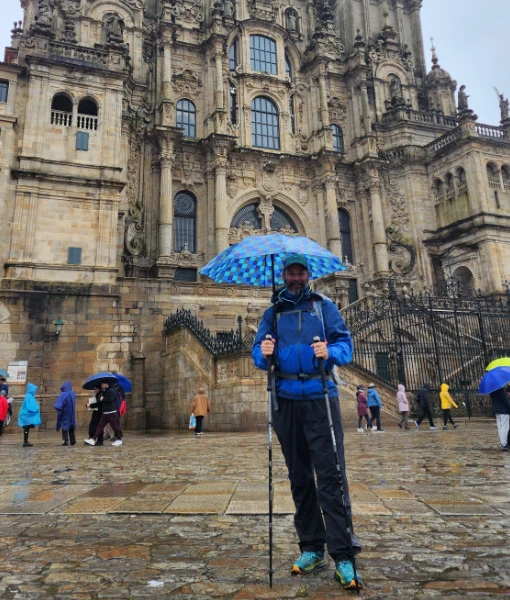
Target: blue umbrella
(3,373)
(258,260)
(124,382)
(95,380)
(494,380)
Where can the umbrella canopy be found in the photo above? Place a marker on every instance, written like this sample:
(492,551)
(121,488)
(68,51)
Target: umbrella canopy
(499,362)
(95,380)
(494,380)
(258,260)
(3,373)
(124,382)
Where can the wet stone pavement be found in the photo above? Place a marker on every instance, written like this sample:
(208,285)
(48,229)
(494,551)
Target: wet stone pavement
(171,516)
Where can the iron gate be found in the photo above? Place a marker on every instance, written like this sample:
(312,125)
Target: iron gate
(446,334)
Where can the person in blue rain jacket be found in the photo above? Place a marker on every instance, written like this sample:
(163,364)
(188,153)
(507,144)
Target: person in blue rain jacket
(374,404)
(66,413)
(29,414)
(301,423)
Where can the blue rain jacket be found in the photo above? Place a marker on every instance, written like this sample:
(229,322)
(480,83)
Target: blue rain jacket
(297,325)
(30,413)
(373,398)
(66,408)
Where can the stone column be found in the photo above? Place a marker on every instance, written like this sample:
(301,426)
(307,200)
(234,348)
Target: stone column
(323,95)
(332,224)
(167,70)
(378,229)
(219,92)
(365,106)
(221,209)
(166,207)
(417,37)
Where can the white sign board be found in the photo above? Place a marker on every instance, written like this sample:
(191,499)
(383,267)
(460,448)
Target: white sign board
(17,372)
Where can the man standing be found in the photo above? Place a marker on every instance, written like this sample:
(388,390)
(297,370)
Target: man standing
(301,421)
(423,400)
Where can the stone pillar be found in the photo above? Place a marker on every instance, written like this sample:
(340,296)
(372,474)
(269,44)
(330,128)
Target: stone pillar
(417,37)
(221,209)
(332,224)
(167,70)
(378,229)
(219,92)
(137,415)
(323,94)
(166,208)
(365,106)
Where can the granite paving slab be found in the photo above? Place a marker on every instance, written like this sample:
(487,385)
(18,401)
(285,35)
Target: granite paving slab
(466,508)
(141,506)
(407,507)
(31,507)
(199,504)
(383,493)
(359,508)
(90,505)
(114,490)
(67,492)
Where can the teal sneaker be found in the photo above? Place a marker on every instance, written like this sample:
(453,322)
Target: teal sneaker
(308,562)
(344,574)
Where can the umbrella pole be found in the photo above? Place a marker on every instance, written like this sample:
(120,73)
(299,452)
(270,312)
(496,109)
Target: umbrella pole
(338,469)
(270,392)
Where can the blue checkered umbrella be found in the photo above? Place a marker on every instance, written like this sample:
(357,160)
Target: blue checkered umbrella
(252,261)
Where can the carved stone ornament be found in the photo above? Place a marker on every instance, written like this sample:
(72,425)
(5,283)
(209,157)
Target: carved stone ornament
(270,177)
(189,11)
(263,10)
(186,80)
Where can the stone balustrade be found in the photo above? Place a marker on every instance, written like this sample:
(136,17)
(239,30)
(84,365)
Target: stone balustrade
(59,117)
(87,122)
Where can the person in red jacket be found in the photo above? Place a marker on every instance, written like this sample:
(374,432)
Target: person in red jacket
(361,399)
(4,409)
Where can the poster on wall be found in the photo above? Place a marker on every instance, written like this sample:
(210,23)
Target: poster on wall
(17,372)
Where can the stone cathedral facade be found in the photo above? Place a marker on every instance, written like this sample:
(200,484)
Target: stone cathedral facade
(139,138)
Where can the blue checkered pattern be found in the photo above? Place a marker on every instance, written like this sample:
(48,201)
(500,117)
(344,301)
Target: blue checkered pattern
(249,261)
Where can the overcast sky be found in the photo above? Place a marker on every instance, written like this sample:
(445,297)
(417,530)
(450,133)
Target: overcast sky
(470,37)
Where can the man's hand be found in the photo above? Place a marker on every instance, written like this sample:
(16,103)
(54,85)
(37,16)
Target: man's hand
(267,347)
(321,350)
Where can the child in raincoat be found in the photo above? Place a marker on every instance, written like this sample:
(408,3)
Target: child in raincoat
(66,413)
(447,402)
(29,414)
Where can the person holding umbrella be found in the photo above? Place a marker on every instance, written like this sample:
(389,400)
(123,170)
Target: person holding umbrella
(286,332)
(494,383)
(108,401)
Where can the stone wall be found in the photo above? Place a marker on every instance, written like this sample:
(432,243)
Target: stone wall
(237,390)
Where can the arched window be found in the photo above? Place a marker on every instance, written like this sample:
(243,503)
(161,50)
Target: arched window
(464,276)
(338,138)
(263,54)
(281,220)
(344,220)
(438,190)
(87,114)
(461,180)
(288,67)
(248,215)
(187,117)
(61,110)
(185,222)
(265,129)
(505,172)
(450,186)
(493,176)
(232,56)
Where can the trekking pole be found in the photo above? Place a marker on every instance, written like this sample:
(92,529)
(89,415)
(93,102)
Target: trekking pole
(271,389)
(348,521)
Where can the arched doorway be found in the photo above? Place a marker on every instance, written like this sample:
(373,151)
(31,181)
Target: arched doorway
(260,218)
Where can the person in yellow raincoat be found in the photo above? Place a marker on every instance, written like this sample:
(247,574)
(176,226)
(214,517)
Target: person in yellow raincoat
(447,403)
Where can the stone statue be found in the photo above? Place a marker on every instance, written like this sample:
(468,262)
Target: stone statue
(291,21)
(114,30)
(44,14)
(395,89)
(229,9)
(463,99)
(503,107)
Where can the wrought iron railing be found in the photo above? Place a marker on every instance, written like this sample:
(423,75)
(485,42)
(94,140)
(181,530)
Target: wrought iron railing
(446,334)
(226,343)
